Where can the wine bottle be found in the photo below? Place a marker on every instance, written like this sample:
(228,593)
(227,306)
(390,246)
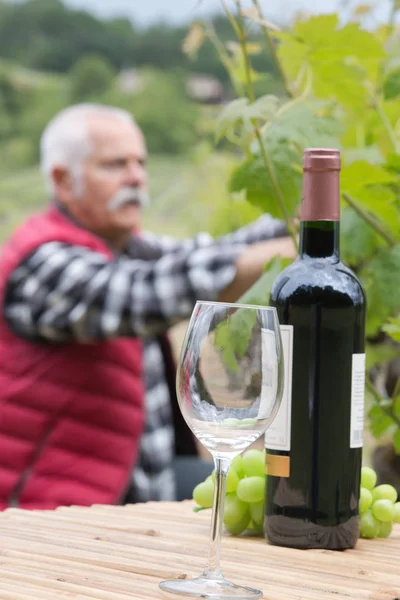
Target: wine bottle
(314,446)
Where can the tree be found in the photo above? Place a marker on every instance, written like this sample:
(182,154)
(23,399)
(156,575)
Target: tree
(90,77)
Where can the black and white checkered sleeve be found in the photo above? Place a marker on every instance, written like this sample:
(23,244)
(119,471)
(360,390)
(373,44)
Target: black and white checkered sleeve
(63,293)
(264,228)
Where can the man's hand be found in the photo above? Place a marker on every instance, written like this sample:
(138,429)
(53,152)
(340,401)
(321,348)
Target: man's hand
(251,263)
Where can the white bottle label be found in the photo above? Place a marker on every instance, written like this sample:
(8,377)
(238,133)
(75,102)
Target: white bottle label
(357,401)
(277,436)
(269,374)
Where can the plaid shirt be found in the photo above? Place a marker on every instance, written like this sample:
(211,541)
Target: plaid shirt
(63,293)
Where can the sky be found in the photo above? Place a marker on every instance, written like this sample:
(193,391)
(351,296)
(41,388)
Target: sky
(178,11)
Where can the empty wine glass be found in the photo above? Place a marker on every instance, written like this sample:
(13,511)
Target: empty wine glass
(229,383)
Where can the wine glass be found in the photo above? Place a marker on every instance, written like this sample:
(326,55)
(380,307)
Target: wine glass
(229,384)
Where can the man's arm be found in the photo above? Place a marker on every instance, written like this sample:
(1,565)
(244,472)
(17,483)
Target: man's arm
(250,265)
(264,228)
(63,293)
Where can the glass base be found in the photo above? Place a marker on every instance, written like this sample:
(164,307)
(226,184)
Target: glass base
(209,587)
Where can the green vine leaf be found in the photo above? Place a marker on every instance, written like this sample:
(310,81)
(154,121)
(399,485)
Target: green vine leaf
(392,328)
(358,241)
(381,425)
(391,85)
(379,353)
(253,178)
(291,131)
(260,291)
(396,441)
(305,125)
(230,116)
(361,174)
(232,337)
(242,113)
(396,407)
(370,154)
(342,59)
(393,163)
(381,277)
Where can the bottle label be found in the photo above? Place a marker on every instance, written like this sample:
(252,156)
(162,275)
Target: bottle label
(269,374)
(277,436)
(357,401)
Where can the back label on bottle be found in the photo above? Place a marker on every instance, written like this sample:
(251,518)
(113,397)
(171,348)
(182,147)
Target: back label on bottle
(277,436)
(357,401)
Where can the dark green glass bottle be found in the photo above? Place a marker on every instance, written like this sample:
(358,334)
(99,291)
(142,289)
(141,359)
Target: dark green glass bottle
(314,448)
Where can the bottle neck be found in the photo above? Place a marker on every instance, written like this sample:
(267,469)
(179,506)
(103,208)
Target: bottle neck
(320,213)
(320,239)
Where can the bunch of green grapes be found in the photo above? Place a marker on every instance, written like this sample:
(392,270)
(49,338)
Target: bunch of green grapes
(245,493)
(379,508)
(245,496)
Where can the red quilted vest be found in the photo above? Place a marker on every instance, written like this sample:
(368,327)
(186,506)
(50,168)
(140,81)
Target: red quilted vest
(71,415)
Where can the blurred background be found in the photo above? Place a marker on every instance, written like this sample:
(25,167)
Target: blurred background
(57,52)
(175,64)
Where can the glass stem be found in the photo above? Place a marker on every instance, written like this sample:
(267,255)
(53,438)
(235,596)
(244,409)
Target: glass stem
(221,469)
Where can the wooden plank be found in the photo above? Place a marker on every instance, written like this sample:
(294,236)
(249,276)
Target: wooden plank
(112,553)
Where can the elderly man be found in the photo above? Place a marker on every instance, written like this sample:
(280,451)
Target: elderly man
(85,367)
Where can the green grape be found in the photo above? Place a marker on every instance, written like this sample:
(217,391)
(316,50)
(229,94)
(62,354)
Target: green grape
(368,478)
(385,529)
(396,517)
(232,481)
(234,510)
(384,492)
(240,526)
(257,513)
(230,422)
(369,526)
(247,423)
(256,529)
(365,500)
(203,494)
(254,463)
(383,510)
(237,465)
(251,489)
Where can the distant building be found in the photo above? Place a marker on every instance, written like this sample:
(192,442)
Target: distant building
(130,81)
(205,89)
(202,88)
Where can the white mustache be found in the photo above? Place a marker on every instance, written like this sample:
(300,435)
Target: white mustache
(127,195)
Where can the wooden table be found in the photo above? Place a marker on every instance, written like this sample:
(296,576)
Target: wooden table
(121,553)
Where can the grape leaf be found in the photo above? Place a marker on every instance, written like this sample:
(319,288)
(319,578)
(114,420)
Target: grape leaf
(382,203)
(393,163)
(370,154)
(376,412)
(391,85)
(380,425)
(305,125)
(381,277)
(242,112)
(379,353)
(253,177)
(342,59)
(230,115)
(396,441)
(361,173)
(357,239)
(260,291)
(232,336)
(291,131)
(392,328)
(396,407)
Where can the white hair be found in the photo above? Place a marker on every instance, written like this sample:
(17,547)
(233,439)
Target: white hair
(66,140)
